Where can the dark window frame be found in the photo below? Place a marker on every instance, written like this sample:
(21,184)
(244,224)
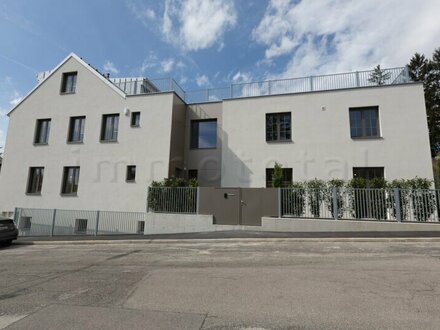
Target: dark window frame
(363,120)
(274,130)
(114,130)
(194,141)
(369,170)
(129,176)
(193,174)
(287,172)
(71,190)
(35,180)
(38,130)
(71,130)
(64,82)
(81,226)
(133,122)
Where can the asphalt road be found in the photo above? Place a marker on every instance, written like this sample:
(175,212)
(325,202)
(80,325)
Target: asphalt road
(240,284)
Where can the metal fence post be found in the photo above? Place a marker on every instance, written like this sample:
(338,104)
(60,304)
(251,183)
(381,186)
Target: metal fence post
(231,91)
(279,203)
(53,222)
(198,200)
(97,223)
(311,83)
(335,202)
(358,82)
(397,204)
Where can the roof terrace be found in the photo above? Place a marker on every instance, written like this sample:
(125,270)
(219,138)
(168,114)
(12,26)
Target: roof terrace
(358,79)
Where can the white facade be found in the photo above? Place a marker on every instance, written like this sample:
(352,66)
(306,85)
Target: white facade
(320,147)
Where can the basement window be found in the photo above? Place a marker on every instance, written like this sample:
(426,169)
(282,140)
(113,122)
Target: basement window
(81,226)
(287,177)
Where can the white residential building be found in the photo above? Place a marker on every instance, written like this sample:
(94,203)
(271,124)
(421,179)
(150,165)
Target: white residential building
(80,140)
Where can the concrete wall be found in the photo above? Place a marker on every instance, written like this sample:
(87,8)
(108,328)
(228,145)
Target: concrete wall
(321,225)
(321,145)
(206,161)
(102,182)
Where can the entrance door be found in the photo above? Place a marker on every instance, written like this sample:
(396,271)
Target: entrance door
(222,203)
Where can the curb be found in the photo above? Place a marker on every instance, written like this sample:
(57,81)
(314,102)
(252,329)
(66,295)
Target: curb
(238,240)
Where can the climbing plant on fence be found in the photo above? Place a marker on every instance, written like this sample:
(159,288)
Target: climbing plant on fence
(328,196)
(315,191)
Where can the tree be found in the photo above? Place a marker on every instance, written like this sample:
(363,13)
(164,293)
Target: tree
(428,71)
(379,76)
(277,176)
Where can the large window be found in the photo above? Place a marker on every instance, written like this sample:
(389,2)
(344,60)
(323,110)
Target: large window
(68,84)
(364,122)
(42,131)
(278,126)
(368,173)
(76,129)
(204,134)
(109,129)
(70,180)
(287,177)
(35,180)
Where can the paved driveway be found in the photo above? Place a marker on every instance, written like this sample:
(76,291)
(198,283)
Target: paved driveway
(240,284)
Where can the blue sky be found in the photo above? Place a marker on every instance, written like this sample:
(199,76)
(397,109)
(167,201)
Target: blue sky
(209,43)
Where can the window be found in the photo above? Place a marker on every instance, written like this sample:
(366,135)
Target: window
(131,173)
(25,223)
(287,177)
(140,227)
(42,131)
(35,180)
(278,127)
(76,129)
(368,173)
(80,226)
(70,180)
(364,122)
(204,134)
(109,129)
(135,119)
(192,174)
(68,84)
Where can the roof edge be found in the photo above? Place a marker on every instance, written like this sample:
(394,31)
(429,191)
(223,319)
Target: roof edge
(83,63)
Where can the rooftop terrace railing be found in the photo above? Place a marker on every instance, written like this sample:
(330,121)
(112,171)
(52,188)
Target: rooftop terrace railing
(358,79)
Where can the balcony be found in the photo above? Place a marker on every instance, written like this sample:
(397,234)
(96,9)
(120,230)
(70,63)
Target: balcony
(358,79)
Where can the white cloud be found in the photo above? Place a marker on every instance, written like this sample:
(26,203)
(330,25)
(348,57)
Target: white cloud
(15,98)
(167,65)
(242,77)
(202,80)
(151,61)
(141,12)
(197,24)
(110,67)
(330,36)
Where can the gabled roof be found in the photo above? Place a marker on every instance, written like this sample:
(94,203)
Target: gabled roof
(81,61)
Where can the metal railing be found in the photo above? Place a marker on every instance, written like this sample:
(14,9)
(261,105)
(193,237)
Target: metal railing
(139,86)
(390,204)
(57,222)
(172,200)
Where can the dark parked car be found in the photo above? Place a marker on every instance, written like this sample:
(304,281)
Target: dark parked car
(8,231)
